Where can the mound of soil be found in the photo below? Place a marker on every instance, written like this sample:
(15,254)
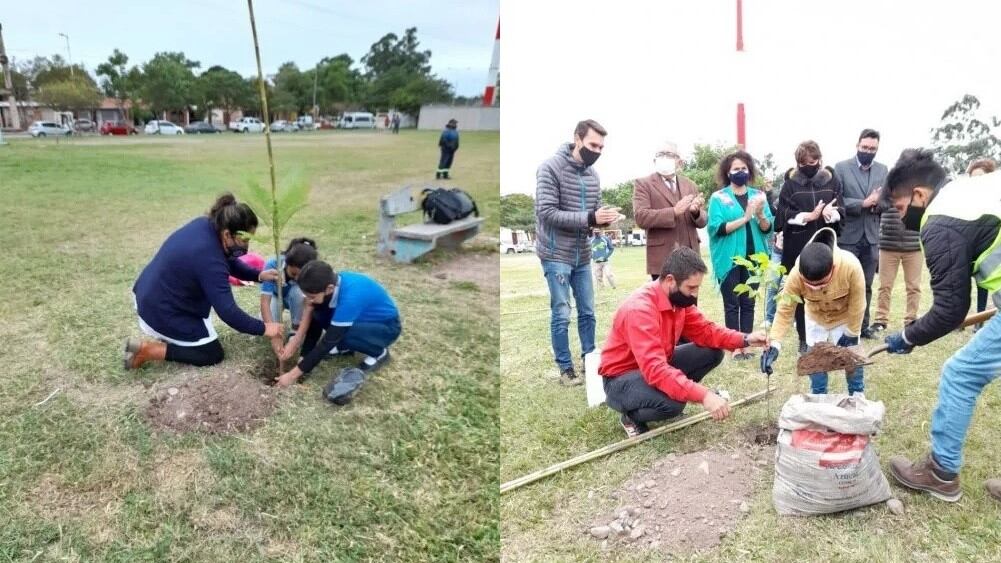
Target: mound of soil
(825,356)
(216,404)
(683,503)
(762,435)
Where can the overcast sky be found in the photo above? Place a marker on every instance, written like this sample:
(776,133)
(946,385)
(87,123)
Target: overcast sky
(651,71)
(459,33)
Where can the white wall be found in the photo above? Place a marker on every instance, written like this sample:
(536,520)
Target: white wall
(470,118)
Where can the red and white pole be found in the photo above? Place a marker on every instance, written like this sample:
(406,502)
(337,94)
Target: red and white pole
(488,94)
(741,127)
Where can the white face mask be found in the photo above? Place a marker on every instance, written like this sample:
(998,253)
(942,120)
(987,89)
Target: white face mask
(665,166)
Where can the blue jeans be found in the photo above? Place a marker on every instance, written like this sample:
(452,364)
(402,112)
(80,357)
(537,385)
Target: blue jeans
(562,278)
(855,381)
(295,302)
(868,257)
(964,377)
(770,305)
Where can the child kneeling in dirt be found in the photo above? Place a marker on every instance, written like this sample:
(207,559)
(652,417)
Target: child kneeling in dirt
(300,251)
(832,284)
(352,313)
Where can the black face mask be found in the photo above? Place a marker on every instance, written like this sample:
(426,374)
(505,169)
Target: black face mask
(912,217)
(865,158)
(235,251)
(809,170)
(588,156)
(681,300)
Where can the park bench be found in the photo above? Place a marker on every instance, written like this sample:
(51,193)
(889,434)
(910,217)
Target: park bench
(406,244)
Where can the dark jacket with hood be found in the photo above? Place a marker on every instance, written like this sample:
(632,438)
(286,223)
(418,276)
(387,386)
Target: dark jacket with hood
(567,194)
(801,194)
(951,246)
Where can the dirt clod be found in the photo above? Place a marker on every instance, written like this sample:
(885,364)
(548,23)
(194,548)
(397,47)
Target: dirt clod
(698,515)
(895,506)
(212,404)
(825,356)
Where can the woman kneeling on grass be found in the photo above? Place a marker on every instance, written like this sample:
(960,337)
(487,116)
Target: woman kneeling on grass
(188,276)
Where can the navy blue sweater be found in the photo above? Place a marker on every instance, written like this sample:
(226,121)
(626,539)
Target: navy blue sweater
(188,276)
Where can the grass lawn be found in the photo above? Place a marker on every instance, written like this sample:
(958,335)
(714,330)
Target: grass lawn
(544,423)
(408,472)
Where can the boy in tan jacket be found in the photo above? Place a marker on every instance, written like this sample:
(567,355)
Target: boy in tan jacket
(831,283)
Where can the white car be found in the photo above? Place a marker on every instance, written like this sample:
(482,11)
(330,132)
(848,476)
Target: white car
(282,126)
(44,128)
(158,127)
(357,120)
(247,125)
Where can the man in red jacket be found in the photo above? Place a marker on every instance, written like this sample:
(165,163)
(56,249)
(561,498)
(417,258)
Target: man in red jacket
(648,377)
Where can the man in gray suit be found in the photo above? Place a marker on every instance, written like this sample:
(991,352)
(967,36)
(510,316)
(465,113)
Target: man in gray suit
(861,180)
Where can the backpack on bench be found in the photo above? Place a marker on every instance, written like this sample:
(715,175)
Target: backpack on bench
(443,205)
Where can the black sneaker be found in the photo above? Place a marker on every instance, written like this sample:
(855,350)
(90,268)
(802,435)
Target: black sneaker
(368,368)
(803,348)
(867,333)
(632,428)
(437,175)
(569,377)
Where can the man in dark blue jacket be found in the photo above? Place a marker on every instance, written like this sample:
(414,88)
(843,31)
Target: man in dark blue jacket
(449,143)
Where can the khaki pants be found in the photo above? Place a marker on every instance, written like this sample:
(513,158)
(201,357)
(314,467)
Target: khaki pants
(912,262)
(604,270)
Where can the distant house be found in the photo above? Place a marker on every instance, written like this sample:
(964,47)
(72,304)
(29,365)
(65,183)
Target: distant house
(109,110)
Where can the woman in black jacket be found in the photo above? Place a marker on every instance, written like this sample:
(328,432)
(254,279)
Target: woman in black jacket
(808,201)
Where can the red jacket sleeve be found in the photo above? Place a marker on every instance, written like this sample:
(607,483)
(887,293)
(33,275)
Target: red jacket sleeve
(645,342)
(707,334)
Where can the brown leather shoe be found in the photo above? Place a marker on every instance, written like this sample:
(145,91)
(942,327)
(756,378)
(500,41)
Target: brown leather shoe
(921,477)
(993,487)
(138,352)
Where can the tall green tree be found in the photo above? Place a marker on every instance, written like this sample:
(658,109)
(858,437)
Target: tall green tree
(339,86)
(71,94)
(41,70)
(518,212)
(118,81)
(291,93)
(965,135)
(701,169)
(222,88)
(399,72)
(168,82)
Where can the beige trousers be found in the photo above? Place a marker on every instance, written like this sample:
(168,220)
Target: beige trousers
(912,263)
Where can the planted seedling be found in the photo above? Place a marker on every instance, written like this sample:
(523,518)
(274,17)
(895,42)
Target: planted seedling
(765,275)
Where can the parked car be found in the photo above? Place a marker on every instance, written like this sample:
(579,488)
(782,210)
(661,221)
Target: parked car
(117,128)
(158,127)
(357,120)
(247,125)
(201,127)
(45,128)
(306,123)
(282,126)
(84,126)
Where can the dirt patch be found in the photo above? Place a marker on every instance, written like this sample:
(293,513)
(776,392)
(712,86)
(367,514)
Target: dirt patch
(216,404)
(825,356)
(682,503)
(480,269)
(762,435)
(52,499)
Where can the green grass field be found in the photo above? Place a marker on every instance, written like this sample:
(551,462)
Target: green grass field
(408,472)
(544,423)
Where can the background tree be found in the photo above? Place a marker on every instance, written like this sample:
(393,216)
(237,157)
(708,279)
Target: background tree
(398,72)
(291,94)
(117,80)
(71,94)
(221,88)
(518,212)
(963,136)
(168,82)
(42,70)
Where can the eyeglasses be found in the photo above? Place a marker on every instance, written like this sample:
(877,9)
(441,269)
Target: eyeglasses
(864,148)
(666,155)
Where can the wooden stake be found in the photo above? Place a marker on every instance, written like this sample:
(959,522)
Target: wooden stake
(627,443)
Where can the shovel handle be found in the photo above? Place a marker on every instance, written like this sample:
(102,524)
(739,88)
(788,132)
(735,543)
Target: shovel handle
(976,318)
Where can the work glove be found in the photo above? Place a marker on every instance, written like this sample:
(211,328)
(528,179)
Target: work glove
(768,358)
(895,344)
(847,341)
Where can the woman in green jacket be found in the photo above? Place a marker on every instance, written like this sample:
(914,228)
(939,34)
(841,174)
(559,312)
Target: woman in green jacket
(739,221)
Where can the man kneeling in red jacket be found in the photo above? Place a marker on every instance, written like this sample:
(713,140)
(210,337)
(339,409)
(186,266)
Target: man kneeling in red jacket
(647,375)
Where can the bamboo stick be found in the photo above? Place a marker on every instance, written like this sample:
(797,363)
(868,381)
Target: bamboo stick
(612,448)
